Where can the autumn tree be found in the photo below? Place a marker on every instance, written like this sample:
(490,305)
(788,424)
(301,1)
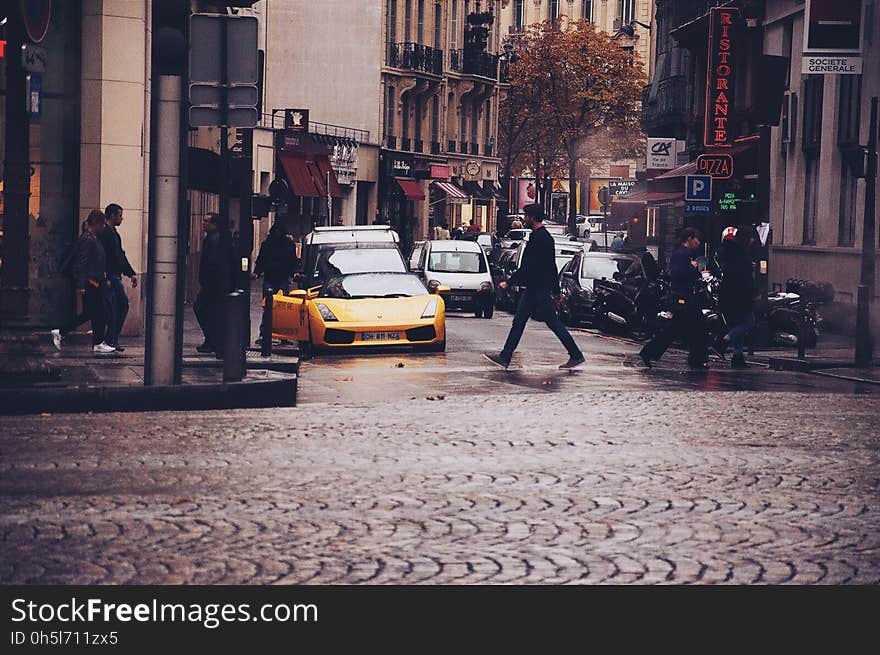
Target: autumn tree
(575,89)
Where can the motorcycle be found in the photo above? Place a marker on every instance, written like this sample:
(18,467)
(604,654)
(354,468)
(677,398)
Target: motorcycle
(790,319)
(631,304)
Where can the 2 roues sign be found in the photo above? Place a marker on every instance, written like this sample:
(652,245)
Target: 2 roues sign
(719,166)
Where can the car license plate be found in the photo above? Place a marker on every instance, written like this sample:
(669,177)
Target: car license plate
(380,336)
(458,298)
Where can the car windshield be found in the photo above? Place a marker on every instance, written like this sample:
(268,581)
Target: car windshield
(516,234)
(485,239)
(343,261)
(457,262)
(596,268)
(374,285)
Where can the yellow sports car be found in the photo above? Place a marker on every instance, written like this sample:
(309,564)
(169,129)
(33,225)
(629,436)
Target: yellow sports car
(362,309)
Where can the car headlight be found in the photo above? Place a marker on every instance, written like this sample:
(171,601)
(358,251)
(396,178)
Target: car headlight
(432,285)
(431,308)
(486,287)
(326,313)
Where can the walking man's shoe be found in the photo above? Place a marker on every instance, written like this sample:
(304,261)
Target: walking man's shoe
(497,359)
(573,361)
(645,360)
(119,348)
(56,339)
(103,349)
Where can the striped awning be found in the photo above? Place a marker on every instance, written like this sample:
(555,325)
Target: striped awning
(451,190)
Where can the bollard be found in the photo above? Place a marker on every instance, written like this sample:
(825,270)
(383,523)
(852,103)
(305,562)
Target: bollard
(233,350)
(266,336)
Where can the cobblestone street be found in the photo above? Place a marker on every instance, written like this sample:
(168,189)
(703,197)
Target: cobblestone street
(657,484)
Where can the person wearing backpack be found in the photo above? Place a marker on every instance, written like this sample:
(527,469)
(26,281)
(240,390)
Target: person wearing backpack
(91,283)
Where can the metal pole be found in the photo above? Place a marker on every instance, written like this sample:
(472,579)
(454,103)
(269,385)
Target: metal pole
(233,363)
(266,343)
(329,202)
(160,364)
(864,342)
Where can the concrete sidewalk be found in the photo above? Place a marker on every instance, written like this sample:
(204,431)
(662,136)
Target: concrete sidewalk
(834,356)
(35,377)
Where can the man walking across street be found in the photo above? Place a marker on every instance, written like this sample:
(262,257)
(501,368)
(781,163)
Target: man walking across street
(117,266)
(276,262)
(736,293)
(687,317)
(91,284)
(215,281)
(539,275)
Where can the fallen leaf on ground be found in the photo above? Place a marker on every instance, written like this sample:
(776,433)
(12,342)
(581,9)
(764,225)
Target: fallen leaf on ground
(400,365)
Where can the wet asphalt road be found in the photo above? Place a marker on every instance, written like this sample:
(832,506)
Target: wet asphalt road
(447,470)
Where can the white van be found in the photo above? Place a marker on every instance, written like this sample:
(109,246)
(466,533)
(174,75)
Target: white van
(349,249)
(464,268)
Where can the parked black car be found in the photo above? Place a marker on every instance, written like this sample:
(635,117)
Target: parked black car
(578,277)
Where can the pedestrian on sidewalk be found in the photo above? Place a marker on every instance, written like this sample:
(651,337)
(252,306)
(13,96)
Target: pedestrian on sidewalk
(215,281)
(117,266)
(539,275)
(91,284)
(736,293)
(687,316)
(276,262)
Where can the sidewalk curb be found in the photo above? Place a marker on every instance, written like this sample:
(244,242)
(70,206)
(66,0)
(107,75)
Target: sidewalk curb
(840,376)
(139,398)
(805,365)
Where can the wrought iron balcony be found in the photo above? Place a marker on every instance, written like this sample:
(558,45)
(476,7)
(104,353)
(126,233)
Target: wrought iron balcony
(666,103)
(483,64)
(415,57)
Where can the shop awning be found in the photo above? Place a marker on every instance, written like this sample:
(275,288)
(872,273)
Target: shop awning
(453,191)
(301,180)
(645,196)
(411,189)
(477,192)
(324,167)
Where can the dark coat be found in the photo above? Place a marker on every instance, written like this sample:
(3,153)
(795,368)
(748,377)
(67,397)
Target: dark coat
(682,274)
(538,269)
(277,260)
(117,262)
(91,261)
(736,293)
(216,263)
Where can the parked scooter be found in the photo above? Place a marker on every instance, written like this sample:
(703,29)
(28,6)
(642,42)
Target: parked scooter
(631,304)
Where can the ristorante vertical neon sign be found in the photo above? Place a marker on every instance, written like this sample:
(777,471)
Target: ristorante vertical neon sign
(720,76)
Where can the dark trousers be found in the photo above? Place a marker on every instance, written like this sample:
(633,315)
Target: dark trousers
(687,323)
(94,309)
(208,308)
(118,306)
(275,286)
(538,303)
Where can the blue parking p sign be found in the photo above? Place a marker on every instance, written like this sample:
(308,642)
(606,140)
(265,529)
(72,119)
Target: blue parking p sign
(698,188)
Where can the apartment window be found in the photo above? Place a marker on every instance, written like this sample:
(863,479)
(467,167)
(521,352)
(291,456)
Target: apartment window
(417,121)
(587,10)
(813,91)
(453,36)
(626,10)
(811,197)
(404,119)
(435,120)
(438,23)
(389,112)
(519,15)
(812,140)
(475,122)
(848,125)
(554,9)
(487,126)
(407,21)
(421,22)
(462,122)
(849,115)
(391,21)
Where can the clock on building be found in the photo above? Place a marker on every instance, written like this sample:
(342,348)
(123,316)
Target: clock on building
(472,168)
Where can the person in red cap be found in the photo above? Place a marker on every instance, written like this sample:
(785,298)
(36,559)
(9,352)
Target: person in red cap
(736,293)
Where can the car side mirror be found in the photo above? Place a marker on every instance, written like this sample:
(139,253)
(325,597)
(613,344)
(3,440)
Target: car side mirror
(442,288)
